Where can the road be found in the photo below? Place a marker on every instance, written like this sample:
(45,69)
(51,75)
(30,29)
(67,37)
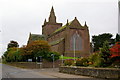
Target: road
(14,72)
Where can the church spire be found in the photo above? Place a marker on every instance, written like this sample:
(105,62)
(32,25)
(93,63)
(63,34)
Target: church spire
(52,17)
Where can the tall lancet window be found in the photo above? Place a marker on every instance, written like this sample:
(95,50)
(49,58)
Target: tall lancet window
(76,42)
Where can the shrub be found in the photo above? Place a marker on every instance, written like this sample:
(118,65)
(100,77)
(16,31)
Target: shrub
(115,62)
(68,62)
(82,62)
(96,60)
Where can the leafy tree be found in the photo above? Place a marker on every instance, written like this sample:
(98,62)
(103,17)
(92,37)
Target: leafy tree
(36,48)
(115,50)
(13,44)
(99,40)
(115,55)
(13,54)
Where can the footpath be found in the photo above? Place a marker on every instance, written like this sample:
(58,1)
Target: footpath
(55,73)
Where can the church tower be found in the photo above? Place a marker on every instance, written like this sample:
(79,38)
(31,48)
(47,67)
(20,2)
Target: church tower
(49,27)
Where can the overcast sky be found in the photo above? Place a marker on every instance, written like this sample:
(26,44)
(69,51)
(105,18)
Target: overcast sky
(20,17)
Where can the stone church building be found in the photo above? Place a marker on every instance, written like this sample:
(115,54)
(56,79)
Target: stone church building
(68,39)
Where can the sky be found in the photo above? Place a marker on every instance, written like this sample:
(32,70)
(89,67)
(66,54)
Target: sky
(20,17)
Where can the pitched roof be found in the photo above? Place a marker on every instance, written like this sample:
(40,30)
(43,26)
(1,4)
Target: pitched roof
(75,24)
(72,24)
(37,37)
(33,37)
(61,28)
(57,41)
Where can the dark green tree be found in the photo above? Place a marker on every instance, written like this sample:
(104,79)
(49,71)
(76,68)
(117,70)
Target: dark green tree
(99,40)
(105,53)
(50,55)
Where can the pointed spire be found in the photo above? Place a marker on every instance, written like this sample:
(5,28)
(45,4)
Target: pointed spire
(75,17)
(45,21)
(52,17)
(67,22)
(52,9)
(85,24)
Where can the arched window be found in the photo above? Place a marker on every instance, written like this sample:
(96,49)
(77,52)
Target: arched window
(76,42)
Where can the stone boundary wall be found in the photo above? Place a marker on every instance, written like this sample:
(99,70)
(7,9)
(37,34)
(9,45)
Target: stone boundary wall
(111,73)
(34,65)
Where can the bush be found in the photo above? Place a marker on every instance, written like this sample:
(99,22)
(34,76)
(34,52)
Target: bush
(68,62)
(82,62)
(96,60)
(115,62)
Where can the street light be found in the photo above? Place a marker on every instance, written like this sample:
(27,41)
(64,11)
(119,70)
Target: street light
(53,59)
(75,44)
(62,59)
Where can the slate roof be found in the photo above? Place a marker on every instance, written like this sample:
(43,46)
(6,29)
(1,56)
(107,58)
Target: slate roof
(61,28)
(57,41)
(37,37)
(33,37)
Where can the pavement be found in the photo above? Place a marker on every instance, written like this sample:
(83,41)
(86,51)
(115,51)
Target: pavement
(55,72)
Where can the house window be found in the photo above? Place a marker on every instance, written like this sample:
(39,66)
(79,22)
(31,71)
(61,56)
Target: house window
(76,42)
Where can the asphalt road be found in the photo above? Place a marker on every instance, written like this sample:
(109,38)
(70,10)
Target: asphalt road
(14,72)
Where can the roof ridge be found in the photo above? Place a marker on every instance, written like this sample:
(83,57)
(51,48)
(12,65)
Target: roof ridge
(61,28)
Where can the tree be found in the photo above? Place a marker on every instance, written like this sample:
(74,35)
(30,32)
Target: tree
(99,40)
(36,48)
(105,53)
(50,55)
(115,50)
(115,55)
(13,44)
(13,54)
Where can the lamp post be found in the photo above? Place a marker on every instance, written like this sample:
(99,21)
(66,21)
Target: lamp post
(62,59)
(53,60)
(75,45)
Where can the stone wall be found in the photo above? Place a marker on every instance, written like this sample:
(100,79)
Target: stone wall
(34,65)
(93,72)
